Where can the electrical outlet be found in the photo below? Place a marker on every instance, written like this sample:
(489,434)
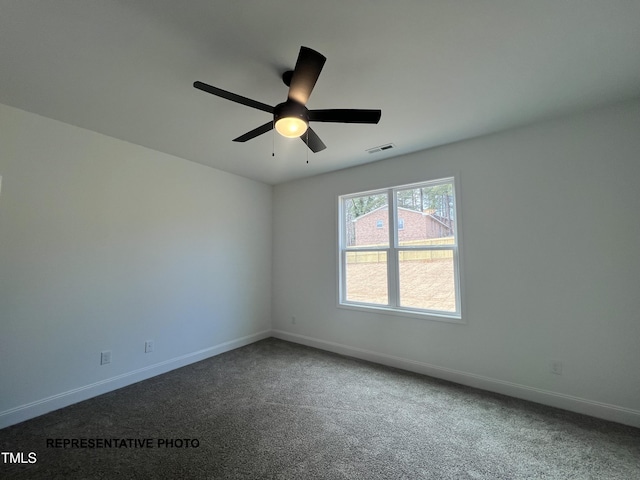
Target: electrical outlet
(556,367)
(148,346)
(105,357)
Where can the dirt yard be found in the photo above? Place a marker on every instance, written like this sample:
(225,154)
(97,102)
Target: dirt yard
(428,285)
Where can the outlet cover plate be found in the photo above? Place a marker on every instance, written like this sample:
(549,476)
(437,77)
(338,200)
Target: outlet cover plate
(105,357)
(556,367)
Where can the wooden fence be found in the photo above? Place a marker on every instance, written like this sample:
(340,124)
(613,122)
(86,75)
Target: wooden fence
(405,255)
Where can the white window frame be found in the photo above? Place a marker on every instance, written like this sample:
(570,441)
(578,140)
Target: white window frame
(393,286)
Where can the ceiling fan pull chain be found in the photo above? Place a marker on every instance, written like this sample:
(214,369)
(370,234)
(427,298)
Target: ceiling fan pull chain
(273,140)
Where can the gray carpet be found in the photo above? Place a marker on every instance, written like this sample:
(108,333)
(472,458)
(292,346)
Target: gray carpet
(278,410)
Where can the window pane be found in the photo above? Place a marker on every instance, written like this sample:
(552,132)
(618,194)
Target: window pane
(421,251)
(366,221)
(427,215)
(366,277)
(427,280)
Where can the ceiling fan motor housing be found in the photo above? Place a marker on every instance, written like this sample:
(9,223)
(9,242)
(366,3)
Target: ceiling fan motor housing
(289,109)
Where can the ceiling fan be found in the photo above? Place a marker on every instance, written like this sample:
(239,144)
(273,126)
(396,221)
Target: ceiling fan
(291,118)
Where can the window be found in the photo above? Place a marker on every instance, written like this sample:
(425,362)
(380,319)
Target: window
(412,269)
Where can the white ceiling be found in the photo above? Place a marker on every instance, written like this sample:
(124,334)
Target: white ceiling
(440,71)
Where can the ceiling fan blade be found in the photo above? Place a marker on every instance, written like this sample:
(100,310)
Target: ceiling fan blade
(313,141)
(345,116)
(305,74)
(233,97)
(255,132)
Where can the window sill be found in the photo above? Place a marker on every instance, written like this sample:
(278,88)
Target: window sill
(397,312)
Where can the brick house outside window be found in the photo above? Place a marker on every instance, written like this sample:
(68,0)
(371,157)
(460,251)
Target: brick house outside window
(373,229)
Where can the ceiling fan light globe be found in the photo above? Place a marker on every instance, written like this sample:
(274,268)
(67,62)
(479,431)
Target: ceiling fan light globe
(291,127)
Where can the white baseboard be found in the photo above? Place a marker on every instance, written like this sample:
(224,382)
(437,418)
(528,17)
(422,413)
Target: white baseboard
(64,399)
(605,411)
(592,408)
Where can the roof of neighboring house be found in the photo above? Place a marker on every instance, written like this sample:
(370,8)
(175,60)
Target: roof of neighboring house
(426,213)
(437,219)
(384,207)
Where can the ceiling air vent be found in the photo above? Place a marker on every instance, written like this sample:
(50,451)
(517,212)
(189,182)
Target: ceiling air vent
(380,148)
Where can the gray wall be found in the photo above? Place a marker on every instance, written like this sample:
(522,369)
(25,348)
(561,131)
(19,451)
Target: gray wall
(550,223)
(104,245)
